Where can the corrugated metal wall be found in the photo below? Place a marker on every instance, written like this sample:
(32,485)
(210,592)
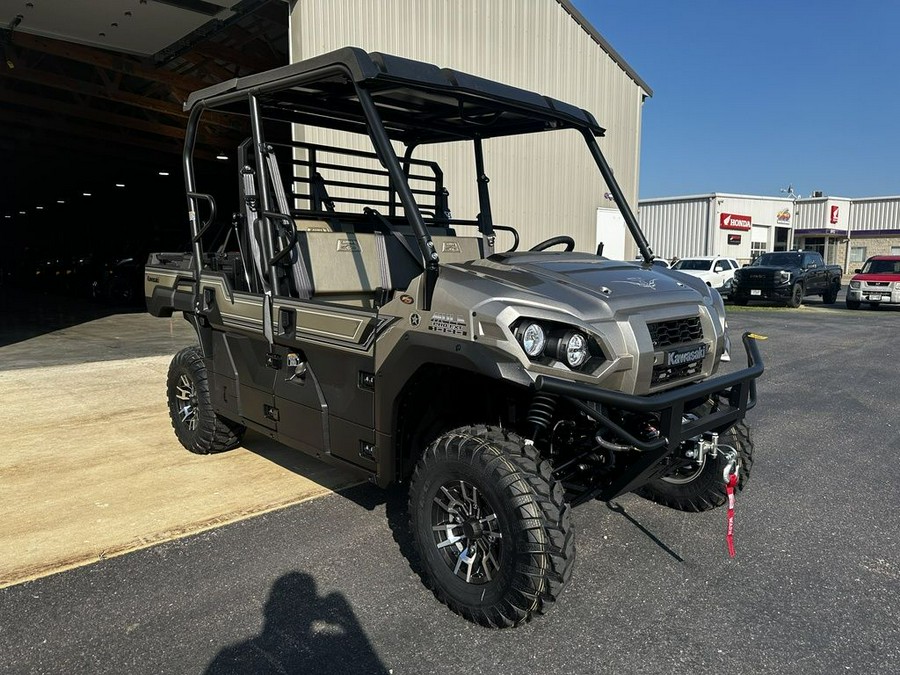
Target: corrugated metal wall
(811,214)
(875,214)
(543,184)
(677,228)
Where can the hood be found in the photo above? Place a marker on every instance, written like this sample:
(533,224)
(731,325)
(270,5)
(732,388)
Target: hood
(876,277)
(765,269)
(581,284)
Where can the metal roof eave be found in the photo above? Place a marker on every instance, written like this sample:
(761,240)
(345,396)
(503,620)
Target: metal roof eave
(608,48)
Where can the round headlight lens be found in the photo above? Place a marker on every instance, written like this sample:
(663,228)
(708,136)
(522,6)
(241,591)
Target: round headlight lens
(533,339)
(576,346)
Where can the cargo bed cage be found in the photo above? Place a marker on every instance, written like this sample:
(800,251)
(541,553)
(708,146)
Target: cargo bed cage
(333,175)
(388,99)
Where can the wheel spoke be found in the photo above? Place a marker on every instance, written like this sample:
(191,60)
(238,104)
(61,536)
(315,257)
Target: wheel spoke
(468,556)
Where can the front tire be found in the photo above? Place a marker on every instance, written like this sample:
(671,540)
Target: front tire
(703,488)
(796,296)
(853,304)
(740,301)
(830,296)
(491,526)
(196,424)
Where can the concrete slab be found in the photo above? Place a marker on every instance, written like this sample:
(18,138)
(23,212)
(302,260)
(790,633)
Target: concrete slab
(91,468)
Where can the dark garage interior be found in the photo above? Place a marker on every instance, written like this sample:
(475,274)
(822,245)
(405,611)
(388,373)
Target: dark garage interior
(92,127)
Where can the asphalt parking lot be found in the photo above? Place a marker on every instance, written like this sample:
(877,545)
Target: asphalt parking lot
(325,585)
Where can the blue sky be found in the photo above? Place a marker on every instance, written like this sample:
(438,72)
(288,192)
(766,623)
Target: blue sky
(751,96)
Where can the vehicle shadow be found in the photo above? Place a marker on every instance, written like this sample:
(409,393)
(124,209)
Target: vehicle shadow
(396,509)
(303,633)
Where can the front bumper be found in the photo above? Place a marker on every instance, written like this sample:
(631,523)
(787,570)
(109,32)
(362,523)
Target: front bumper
(736,393)
(780,293)
(874,294)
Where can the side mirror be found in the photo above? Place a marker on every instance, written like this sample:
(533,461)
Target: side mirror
(857,271)
(746,265)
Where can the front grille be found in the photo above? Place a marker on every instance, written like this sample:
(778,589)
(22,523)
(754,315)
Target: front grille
(877,284)
(675,332)
(663,373)
(764,280)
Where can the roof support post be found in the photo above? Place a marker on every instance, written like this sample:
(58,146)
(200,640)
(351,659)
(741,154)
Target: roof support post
(187,158)
(618,197)
(265,196)
(385,152)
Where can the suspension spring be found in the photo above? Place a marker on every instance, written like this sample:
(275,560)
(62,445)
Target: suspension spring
(540,414)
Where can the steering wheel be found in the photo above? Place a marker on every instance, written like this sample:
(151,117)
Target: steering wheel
(554,241)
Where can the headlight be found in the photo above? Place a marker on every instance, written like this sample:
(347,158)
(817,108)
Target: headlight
(897,285)
(532,338)
(572,349)
(854,284)
(785,276)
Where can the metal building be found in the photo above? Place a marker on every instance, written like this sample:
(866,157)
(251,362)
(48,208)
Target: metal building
(845,231)
(874,229)
(735,226)
(545,184)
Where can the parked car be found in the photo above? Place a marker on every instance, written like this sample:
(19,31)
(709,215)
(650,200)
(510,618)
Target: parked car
(716,271)
(877,282)
(788,277)
(122,282)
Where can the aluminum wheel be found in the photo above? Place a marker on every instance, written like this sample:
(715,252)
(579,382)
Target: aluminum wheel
(466,532)
(186,395)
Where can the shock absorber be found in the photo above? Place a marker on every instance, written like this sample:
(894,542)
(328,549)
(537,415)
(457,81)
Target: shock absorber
(540,414)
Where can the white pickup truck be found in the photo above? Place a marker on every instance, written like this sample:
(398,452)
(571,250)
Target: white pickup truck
(716,271)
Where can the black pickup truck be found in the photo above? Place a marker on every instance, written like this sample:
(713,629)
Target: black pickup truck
(787,276)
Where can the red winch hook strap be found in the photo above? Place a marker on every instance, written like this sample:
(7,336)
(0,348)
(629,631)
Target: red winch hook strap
(729,490)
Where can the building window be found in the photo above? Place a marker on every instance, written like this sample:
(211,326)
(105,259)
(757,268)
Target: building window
(895,250)
(857,254)
(757,248)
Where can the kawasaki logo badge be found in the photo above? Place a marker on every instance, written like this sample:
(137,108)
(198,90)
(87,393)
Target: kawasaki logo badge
(679,357)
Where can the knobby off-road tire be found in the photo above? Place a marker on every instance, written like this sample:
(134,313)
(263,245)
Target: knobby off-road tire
(796,296)
(491,526)
(704,488)
(830,296)
(197,426)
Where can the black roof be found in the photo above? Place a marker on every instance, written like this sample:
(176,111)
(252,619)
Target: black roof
(418,102)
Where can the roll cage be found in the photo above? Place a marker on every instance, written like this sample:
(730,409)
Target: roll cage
(387,98)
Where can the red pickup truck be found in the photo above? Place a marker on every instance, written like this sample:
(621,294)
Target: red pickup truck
(877,282)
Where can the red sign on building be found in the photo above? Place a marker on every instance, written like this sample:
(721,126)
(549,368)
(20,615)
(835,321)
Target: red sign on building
(733,221)
(834,214)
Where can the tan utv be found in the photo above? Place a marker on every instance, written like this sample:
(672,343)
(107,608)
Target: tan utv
(347,314)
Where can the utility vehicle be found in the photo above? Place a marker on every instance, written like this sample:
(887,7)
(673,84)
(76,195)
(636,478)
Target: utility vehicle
(348,315)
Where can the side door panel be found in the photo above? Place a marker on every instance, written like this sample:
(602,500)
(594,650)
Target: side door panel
(243,381)
(325,390)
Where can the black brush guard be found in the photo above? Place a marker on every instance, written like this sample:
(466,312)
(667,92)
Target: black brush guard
(736,393)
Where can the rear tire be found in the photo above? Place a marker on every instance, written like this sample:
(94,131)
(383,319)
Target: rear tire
(491,526)
(705,489)
(196,424)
